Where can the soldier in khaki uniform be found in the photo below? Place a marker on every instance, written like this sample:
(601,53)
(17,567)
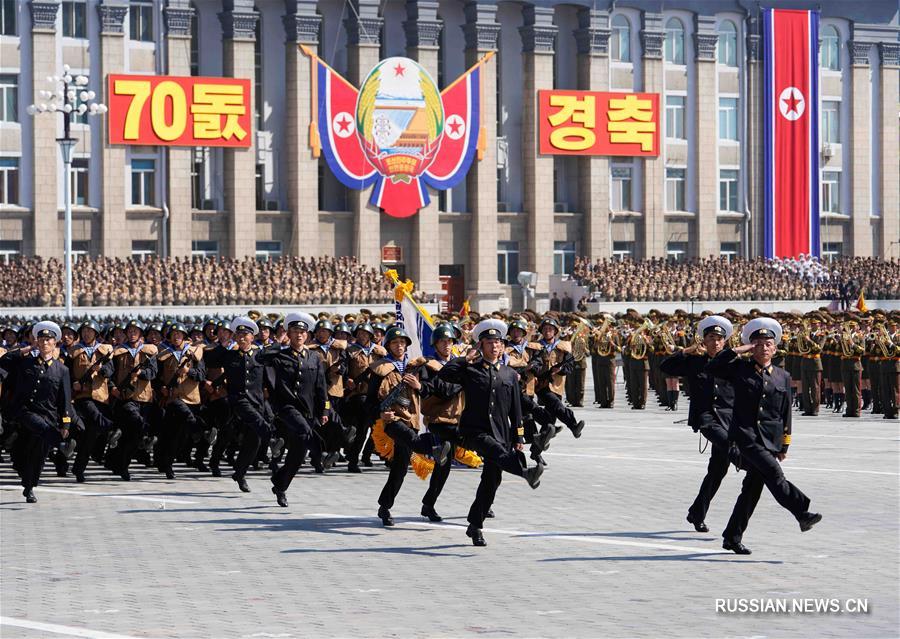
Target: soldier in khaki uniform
(810,372)
(575,379)
(181,372)
(360,356)
(333,434)
(556,362)
(604,343)
(135,366)
(91,366)
(850,350)
(636,350)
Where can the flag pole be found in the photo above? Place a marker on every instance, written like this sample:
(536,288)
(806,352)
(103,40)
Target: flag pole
(314,142)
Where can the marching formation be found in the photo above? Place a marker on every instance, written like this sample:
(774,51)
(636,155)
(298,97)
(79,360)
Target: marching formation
(260,392)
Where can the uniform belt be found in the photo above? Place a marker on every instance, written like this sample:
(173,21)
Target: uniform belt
(816,356)
(850,359)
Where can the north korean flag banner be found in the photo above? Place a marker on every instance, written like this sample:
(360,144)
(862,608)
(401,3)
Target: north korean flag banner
(791,132)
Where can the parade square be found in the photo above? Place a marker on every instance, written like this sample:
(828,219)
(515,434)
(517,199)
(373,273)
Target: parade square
(600,549)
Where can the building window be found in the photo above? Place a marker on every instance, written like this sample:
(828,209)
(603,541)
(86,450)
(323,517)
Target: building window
(729,250)
(267,250)
(728,119)
(79,185)
(80,118)
(204,248)
(623,250)
(675,183)
(9,180)
(728,190)
(74,19)
(727,44)
(563,258)
(831,122)
(677,251)
(621,188)
(260,187)
(143,182)
(674,45)
(143,248)
(9,249)
(831,191)
(8,17)
(9,98)
(832,250)
(675,117)
(79,248)
(831,48)
(620,42)
(195,41)
(507,262)
(141,20)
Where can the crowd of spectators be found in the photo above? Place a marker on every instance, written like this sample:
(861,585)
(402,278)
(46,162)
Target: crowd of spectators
(154,281)
(760,279)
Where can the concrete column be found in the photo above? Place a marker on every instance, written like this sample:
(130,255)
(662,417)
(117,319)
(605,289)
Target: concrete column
(860,151)
(423,33)
(707,169)
(178,165)
(302,26)
(889,53)
(45,187)
(238,36)
(754,132)
(482,288)
(592,38)
(363,52)
(654,241)
(538,39)
(115,241)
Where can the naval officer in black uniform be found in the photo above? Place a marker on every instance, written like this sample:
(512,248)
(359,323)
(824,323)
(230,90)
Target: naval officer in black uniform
(760,426)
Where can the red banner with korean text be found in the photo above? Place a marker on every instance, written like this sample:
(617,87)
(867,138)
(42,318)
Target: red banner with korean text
(179,111)
(598,123)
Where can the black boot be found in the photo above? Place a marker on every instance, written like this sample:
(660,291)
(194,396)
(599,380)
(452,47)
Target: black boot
(867,398)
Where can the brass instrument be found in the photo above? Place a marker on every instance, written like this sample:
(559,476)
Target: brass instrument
(849,345)
(580,340)
(603,344)
(884,341)
(637,345)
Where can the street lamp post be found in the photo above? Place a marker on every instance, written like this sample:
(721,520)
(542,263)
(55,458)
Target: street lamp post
(73,99)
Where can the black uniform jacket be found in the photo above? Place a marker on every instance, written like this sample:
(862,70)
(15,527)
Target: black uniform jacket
(712,398)
(762,400)
(42,387)
(492,398)
(244,372)
(298,380)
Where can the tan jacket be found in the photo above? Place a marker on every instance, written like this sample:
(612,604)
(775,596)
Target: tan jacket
(518,362)
(557,381)
(438,410)
(390,377)
(186,389)
(358,362)
(333,379)
(124,363)
(98,388)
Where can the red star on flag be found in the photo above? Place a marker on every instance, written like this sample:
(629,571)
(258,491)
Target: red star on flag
(792,103)
(399,70)
(344,123)
(454,126)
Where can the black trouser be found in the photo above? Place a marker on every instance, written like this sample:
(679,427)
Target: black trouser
(219,415)
(554,405)
(132,418)
(179,421)
(297,430)
(40,435)
(358,416)
(447,433)
(604,371)
(254,429)
(95,416)
(852,380)
(763,469)
(406,442)
(715,470)
(889,388)
(497,456)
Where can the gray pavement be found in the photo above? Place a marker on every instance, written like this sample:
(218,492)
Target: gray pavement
(601,549)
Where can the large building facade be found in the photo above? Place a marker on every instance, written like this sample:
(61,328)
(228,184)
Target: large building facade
(517,210)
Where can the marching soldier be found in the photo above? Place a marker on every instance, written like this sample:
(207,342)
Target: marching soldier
(135,367)
(395,392)
(811,372)
(575,379)
(850,351)
(360,355)
(491,422)
(42,401)
(710,408)
(636,350)
(760,426)
(215,394)
(556,362)
(181,372)
(889,369)
(299,396)
(604,344)
(91,366)
(334,356)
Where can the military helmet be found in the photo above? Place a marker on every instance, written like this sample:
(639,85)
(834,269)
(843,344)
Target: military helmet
(177,326)
(264,322)
(396,332)
(551,321)
(71,326)
(379,326)
(365,326)
(442,331)
(343,327)
(326,324)
(138,324)
(519,323)
(91,324)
